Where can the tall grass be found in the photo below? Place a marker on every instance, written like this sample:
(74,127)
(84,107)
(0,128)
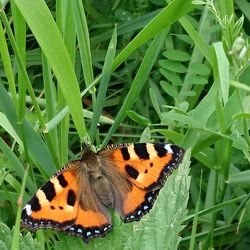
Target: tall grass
(129,71)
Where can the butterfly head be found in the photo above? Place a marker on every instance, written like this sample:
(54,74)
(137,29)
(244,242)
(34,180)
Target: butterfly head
(86,150)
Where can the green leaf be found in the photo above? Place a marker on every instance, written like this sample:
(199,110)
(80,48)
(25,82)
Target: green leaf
(197,80)
(173,66)
(206,106)
(69,243)
(169,89)
(171,76)
(199,69)
(138,118)
(176,55)
(5,237)
(26,242)
(169,117)
(153,97)
(146,135)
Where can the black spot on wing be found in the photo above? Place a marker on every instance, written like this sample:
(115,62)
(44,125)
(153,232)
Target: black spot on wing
(62,180)
(49,191)
(71,199)
(160,149)
(35,204)
(141,151)
(132,172)
(125,153)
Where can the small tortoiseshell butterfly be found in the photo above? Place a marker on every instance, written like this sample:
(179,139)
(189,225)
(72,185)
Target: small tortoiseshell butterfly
(125,177)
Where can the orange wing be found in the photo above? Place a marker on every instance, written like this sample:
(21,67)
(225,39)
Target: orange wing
(146,166)
(57,205)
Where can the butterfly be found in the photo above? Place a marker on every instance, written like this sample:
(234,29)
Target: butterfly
(125,177)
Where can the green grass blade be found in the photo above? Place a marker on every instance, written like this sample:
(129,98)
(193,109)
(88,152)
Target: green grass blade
(23,71)
(16,231)
(240,86)
(20,35)
(37,149)
(50,98)
(244,7)
(106,73)
(165,18)
(226,7)
(39,18)
(130,26)
(5,56)
(65,22)
(16,165)
(216,208)
(138,83)
(239,178)
(199,42)
(83,41)
(195,220)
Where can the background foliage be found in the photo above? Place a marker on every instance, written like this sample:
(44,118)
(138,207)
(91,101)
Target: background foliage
(126,71)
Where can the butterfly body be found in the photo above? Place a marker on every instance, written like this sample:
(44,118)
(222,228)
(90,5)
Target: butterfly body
(126,177)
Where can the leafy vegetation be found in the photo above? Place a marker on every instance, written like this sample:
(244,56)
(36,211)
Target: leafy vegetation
(127,71)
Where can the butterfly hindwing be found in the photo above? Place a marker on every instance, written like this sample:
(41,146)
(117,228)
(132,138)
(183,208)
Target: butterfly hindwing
(146,166)
(90,224)
(137,203)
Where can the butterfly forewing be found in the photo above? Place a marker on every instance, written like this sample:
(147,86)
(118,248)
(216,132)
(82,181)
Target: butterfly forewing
(146,166)
(55,204)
